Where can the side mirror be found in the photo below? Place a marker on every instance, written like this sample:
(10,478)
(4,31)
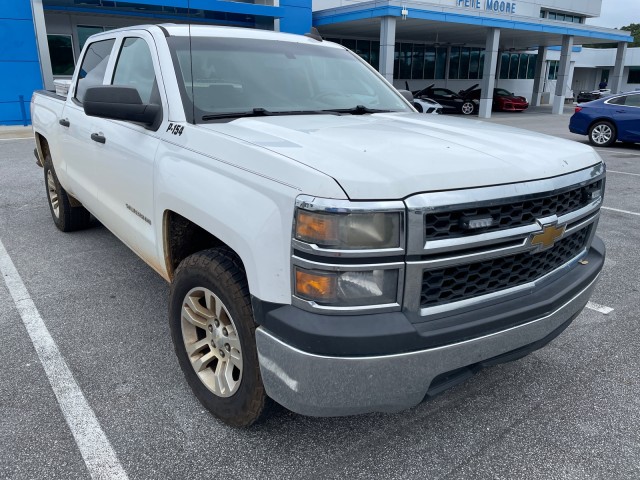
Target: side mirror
(121,103)
(407,95)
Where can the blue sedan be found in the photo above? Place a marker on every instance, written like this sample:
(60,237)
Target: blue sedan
(609,119)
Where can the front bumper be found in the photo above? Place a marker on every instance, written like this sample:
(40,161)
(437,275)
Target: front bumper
(514,107)
(335,365)
(317,385)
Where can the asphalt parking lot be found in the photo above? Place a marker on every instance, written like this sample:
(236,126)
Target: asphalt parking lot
(568,411)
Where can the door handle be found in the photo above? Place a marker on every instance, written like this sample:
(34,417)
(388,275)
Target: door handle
(96,137)
(64,122)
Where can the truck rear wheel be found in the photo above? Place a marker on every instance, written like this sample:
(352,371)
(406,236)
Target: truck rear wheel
(213,335)
(65,217)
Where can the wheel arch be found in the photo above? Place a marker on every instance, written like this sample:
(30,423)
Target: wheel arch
(183,237)
(603,119)
(42,147)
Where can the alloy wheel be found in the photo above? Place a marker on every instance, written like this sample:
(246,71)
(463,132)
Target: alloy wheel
(467,108)
(601,134)
(53,194)
(211,341)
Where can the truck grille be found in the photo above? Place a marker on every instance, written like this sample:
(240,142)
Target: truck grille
(509,215)
(460,282)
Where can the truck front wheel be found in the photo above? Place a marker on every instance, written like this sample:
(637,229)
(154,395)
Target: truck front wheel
(65,217)
(213,335)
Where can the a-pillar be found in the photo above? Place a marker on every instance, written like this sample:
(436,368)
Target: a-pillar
(538,79)
(564,72)
(616,80)
(488,82)
(387,46)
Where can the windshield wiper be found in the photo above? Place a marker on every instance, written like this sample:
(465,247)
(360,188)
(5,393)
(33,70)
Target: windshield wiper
(357,110)
(261,112)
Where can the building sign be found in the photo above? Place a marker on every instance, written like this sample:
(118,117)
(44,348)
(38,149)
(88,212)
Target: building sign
(496,6)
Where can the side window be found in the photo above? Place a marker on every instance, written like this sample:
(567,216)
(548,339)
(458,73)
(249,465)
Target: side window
(94,66)
(617,101)
(633,101)
(135,69)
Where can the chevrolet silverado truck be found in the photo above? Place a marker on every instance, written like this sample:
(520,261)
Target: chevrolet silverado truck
(328,247)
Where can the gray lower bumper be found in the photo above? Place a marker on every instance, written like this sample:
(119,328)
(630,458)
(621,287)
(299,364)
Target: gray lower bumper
(318,385)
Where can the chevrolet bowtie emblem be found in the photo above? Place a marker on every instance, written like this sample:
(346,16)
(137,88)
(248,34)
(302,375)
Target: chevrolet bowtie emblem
(548,237)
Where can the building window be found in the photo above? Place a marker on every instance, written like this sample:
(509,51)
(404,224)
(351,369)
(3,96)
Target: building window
(420,61)
(517,66)
(561,17)
(85,31)
(61,53)
(553,69)
(634,75)
(466,63)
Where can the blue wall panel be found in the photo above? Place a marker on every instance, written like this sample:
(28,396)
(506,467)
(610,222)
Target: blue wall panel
(16,44)
(15,9)
(19,65)
(297,17)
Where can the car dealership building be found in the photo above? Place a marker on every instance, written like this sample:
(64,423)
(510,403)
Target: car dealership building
(531,47)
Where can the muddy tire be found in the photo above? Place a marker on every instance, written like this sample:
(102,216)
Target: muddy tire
(213,334)
(65,217)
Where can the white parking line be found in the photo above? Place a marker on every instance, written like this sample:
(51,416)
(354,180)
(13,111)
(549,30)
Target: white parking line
(621,211)
(599,308)
(15,138)
(623,173)
(617,151)
(99,457)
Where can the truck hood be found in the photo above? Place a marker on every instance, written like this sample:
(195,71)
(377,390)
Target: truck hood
(395,155)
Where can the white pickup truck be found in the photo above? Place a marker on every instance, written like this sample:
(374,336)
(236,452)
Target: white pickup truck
(328,247)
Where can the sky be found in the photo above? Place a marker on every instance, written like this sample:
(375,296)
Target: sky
(617,13)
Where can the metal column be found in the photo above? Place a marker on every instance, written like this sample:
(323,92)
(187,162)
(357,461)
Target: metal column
(618,70)
(539,78)
(43,45)
(387,46)
(488,82)
(563,75)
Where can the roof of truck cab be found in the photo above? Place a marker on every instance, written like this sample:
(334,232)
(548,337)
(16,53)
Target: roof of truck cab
(184,30)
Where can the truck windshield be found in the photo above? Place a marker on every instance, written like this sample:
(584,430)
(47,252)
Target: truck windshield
(225,76)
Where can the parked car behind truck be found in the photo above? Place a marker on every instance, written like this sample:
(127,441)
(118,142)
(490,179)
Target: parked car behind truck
(327,246)
(606,121)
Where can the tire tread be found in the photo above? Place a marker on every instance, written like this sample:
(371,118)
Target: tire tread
(227,267)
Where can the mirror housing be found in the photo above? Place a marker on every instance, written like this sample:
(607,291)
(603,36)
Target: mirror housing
(121,103)
(408,96)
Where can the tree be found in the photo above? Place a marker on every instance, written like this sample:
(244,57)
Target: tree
(634,30)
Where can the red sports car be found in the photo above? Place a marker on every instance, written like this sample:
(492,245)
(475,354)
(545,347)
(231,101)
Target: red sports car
(503,100)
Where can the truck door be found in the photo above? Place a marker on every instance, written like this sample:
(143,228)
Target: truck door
(78,164)
(126,158)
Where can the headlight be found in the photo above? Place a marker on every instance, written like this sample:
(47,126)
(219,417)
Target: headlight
(348,288)
(329,236)
(348,231)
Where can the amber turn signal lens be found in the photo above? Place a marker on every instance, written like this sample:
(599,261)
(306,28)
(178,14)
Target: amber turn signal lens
(317,287)
(316,228)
